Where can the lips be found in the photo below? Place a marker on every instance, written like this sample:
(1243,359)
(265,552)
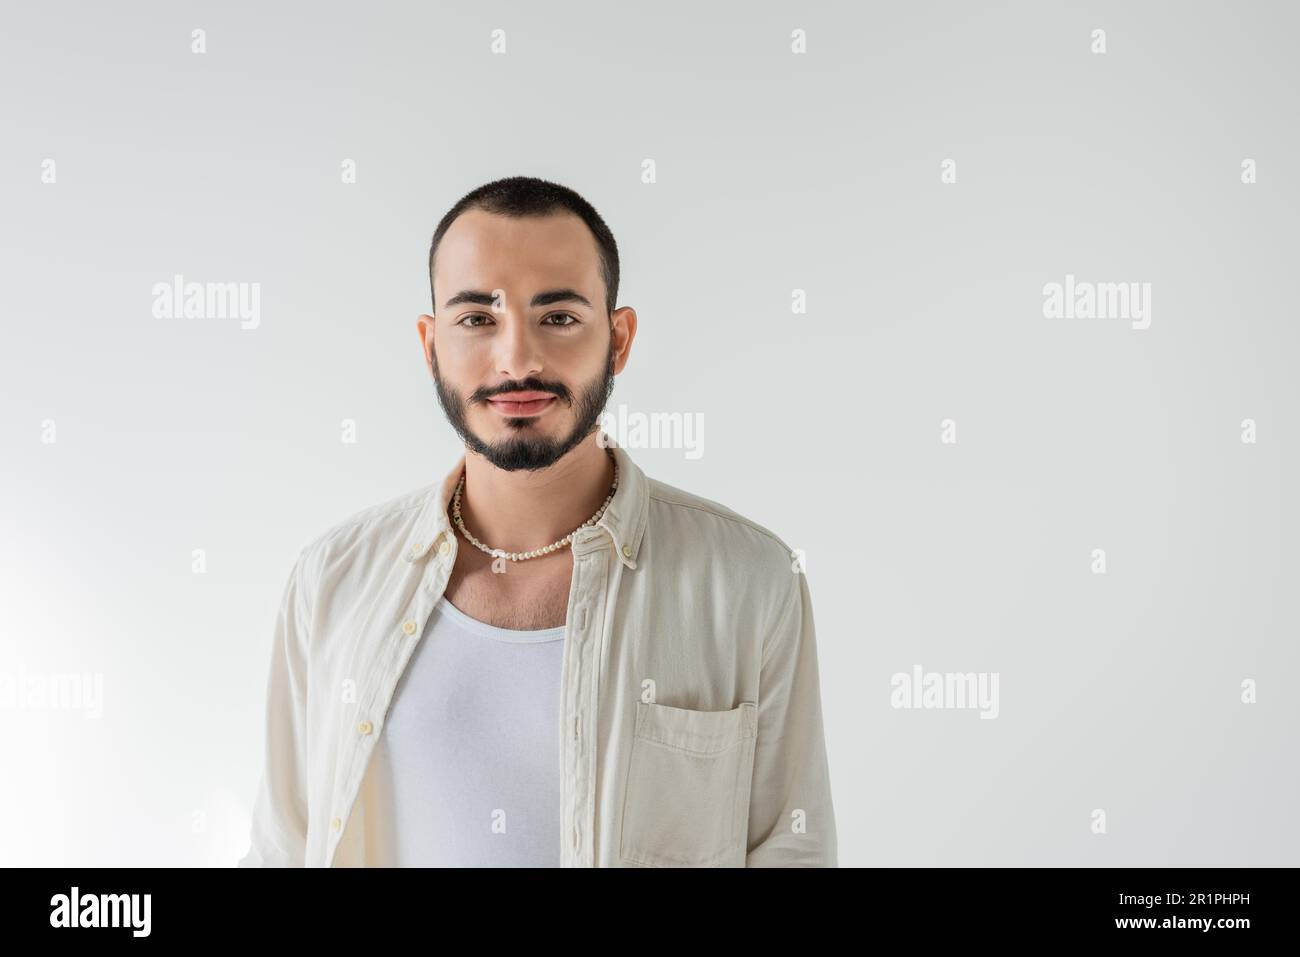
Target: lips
(516,404)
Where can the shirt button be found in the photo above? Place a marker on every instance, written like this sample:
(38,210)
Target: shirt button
(408,626)
(627,551)
(444,548)
(336,823)
(365,727)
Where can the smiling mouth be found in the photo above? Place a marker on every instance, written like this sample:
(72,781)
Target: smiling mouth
(521,404)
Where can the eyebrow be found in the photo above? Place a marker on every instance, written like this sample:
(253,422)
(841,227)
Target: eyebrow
(549,297)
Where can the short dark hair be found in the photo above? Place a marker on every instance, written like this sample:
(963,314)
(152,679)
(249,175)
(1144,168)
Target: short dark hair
(530,196)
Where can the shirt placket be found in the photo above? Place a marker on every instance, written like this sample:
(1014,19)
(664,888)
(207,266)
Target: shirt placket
(376,693)
(579,692)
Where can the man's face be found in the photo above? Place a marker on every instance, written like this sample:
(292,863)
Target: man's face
(521,349)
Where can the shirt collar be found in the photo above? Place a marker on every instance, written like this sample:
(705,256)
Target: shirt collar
(624,519)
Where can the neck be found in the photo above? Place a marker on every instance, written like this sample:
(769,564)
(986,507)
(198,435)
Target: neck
(519,511)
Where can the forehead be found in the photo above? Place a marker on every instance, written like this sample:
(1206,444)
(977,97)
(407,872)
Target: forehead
(483,250)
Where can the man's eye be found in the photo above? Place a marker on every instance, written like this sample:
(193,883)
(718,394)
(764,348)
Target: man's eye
(573,320)
(469,320)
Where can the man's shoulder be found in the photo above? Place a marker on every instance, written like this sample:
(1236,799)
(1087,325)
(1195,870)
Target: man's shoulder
(703,521)
(385,524)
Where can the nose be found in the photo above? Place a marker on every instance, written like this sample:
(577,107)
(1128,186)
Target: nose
(515,349)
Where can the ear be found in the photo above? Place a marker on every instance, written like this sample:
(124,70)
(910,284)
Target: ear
(424,326)
(623,330)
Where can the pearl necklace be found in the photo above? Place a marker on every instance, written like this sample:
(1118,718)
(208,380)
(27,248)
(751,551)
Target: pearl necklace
(523,556)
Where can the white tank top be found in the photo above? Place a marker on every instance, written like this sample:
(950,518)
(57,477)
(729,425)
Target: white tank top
(467,765)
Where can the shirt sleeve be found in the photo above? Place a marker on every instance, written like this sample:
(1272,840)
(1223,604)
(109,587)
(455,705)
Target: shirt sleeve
(278,835)
(791,815)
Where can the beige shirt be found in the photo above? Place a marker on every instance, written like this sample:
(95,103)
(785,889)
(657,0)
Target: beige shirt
(690,707)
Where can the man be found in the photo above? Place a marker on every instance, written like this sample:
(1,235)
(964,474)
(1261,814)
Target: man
(546,658)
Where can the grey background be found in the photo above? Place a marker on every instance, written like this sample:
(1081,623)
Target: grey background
(775,172)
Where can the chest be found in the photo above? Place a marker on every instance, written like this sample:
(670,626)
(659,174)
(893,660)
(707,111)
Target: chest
(520,597)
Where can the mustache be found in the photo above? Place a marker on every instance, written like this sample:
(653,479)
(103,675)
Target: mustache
(530,384)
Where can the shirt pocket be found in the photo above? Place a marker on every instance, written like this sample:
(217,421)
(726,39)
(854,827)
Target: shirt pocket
(686,802)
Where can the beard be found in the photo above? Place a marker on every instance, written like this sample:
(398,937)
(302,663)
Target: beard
(527,450)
